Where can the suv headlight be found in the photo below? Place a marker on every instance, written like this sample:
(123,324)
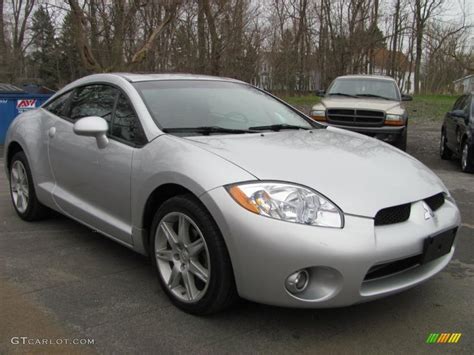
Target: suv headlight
(287,202)
(394,120)
(318,115)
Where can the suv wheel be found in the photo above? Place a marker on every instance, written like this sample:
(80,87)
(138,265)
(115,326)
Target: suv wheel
(22,190)
(444,152)
(402,141)
(191,257)
(467,158)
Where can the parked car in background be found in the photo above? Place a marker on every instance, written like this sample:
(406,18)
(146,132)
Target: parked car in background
(367,104)
(230,191)
(457,133)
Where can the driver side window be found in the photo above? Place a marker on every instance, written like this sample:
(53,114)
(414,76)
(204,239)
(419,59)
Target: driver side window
(93,100)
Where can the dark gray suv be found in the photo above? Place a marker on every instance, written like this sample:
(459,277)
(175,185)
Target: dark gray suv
(457,133)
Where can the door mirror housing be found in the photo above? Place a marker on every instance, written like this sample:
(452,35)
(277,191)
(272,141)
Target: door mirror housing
(321,93)
(458,113)
(407,97)
(93,126)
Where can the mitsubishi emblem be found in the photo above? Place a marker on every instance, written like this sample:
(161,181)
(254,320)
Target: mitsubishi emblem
(428,211)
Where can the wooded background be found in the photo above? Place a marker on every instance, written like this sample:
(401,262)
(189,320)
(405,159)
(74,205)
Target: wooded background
(281,45)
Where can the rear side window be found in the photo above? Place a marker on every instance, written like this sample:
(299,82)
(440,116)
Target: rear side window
(58,106)
(93,100)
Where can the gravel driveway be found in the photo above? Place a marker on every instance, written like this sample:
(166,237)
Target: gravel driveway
(60,280)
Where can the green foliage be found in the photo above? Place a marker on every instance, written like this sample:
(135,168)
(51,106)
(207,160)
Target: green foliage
(44,55)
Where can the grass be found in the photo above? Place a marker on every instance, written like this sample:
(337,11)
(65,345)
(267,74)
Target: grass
(422,108)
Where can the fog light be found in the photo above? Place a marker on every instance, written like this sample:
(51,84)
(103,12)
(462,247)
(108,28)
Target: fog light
(297,282)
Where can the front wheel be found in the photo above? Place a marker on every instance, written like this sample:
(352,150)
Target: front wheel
(444,152)
(402,141)
(191,257)
(467,158)
(22,190)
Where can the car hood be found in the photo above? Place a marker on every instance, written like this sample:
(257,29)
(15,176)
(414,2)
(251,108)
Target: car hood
(363,103)
(360,174)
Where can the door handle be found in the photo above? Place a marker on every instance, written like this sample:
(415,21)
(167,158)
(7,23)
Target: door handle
(52,132)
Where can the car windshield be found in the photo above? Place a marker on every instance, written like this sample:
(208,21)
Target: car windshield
(216,107)
(360,87)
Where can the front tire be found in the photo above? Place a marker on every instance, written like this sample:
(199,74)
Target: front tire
(444,152)
(402,141)
(467,157)
(22,190)
(191,258)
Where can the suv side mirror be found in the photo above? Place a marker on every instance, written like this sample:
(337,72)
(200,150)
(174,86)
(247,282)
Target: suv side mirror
(93,126)
(458,113)
(407,97)
(321,93)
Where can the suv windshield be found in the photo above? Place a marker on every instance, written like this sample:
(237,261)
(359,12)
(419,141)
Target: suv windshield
(361,87)
(215,107)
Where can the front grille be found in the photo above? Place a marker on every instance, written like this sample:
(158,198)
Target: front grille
(435,201)
(352,117)
(392,215)
(392,267)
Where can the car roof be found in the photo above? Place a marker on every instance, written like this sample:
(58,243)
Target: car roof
(366,76)
(139,77)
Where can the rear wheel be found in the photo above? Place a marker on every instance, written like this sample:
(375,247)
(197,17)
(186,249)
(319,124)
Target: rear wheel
(22,190)
(444,152)
(467,157)
(191,257)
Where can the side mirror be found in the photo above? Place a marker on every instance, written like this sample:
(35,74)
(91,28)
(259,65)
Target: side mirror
(407,97)
(93,126)
(321,93)
(458,113)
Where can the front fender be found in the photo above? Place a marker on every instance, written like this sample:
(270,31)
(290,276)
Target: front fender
(173,160)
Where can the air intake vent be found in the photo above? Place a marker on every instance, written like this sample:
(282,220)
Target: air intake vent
(435,201)
(392,215)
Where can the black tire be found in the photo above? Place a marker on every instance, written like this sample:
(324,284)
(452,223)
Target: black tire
(402,141)
(467,161)
(35,210)
(444,152)
(221,291)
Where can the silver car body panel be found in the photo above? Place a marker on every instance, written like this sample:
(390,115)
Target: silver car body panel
(108,189)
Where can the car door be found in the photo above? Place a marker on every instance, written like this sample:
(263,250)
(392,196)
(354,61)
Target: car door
(461,123)
(451,124)
(92,184)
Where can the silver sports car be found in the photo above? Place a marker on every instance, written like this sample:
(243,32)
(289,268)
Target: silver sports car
(231,192)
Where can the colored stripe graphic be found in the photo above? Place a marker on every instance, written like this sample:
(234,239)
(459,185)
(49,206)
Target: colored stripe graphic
(432,338)
(443,338)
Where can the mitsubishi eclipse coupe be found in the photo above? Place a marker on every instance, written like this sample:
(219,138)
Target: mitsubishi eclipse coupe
(231,192)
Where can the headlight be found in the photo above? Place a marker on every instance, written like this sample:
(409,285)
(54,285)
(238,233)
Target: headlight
(394,120)
(291,203)
(318,115)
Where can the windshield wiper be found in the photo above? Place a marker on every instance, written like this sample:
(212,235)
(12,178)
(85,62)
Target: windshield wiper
(206,130)
(277,127)
(373,95)
(340,94)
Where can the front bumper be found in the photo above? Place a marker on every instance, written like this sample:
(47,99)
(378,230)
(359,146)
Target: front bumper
(265,251)
(386,133)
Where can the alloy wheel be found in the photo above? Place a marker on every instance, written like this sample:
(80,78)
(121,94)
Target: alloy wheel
(442,143)
(19,186)
(464,156)
(182,257)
